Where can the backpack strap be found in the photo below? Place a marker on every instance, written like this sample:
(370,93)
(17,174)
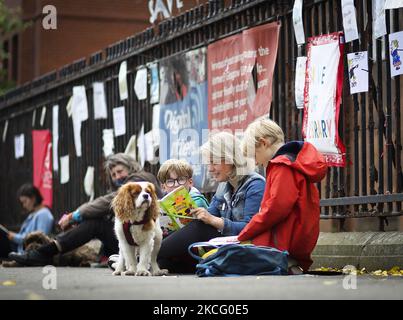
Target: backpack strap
(198,245)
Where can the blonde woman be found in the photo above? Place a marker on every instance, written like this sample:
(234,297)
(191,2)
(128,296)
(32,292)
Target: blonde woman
(236,200)
(289,214)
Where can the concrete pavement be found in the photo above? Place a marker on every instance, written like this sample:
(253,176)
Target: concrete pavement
(89,283)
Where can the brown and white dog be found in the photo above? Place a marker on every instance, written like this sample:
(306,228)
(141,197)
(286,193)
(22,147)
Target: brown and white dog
(138,229)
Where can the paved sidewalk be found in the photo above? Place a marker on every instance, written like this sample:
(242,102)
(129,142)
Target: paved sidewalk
(87,283)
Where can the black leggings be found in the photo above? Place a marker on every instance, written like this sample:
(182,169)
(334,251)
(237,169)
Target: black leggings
(174,249)
(87,230)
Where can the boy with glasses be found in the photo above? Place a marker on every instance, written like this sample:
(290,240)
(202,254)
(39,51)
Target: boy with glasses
(174,173)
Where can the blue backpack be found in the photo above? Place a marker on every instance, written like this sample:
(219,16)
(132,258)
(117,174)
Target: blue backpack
(240,259)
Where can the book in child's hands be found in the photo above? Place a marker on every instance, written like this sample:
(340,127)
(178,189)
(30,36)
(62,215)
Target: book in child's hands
(177,205)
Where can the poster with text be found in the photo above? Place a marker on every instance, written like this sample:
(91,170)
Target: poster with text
(42,164)
(323,91)
(183,111)
(240,73)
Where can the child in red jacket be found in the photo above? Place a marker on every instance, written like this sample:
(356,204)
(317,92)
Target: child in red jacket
(289,214)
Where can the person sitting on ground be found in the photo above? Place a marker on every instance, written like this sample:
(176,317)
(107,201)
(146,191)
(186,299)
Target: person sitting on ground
(289,214)
(39,219)
(236,200)
(94,219)
(174,173)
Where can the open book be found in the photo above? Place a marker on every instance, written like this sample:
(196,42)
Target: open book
(219,241)
(177,206)
(204,249)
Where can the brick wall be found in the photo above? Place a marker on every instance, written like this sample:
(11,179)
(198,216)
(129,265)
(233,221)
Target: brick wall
(83,27)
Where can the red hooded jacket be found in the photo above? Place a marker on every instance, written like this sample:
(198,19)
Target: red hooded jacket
(289,214)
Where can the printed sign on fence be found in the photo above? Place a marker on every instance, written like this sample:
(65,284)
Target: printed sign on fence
(323,90)
(240,77)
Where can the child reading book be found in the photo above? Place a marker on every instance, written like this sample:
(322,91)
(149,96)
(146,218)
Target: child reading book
(39,218)
(177,205)
(175,177)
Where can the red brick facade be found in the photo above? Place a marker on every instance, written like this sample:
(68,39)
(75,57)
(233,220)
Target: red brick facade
(83,27)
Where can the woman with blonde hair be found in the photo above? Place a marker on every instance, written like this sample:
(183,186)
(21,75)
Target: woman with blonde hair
(289,215)
(236,200)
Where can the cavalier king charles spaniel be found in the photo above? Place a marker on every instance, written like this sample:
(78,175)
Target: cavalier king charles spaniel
(138,229)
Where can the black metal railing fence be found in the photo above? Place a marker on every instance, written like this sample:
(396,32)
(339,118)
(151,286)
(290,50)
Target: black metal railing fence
(370,123)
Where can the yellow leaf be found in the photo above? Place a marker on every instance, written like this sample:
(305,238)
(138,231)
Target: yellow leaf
(9,283)
(395,269)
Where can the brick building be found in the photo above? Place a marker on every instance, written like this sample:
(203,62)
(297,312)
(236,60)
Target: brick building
(83,27)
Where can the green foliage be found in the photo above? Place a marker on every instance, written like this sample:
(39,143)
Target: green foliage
(10,23)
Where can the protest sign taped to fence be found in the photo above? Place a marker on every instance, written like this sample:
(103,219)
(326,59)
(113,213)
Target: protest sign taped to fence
(183,111)
(240,77)
(42,164)
(323,92)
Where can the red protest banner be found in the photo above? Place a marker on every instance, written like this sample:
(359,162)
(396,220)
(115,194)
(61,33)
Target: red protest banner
(42,164)
(240,74)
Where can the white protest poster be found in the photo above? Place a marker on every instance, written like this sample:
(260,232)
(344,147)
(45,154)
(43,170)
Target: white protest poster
(156,124)
(298,22)
(393,4)
(79,108)
(100,109)
(89,183)
(155,84)
(140,84)
(349,20)
(5,131)
(323,92)
(108,140)
(378,18)
(55,136)
(358,71)
(119,121)
(300,82)
(123,93)
(79,103)
(131,148)
(77,136)
(150,147)
(69,109)
(33,118)
(64,170)
(141,146)
(396,53)
(19,145)
(43,115)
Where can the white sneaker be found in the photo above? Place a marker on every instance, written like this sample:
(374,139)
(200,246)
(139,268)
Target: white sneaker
(112,260)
